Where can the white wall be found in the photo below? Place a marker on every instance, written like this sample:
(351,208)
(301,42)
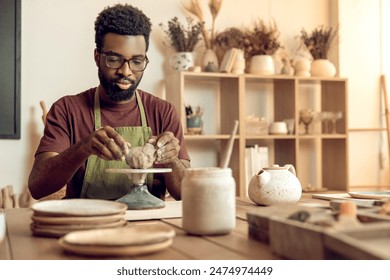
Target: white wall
(362,54)
(58,43)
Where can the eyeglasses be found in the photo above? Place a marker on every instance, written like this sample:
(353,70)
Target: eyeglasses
(136,64)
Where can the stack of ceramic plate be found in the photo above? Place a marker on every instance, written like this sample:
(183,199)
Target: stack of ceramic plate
(125,241)
(55,218)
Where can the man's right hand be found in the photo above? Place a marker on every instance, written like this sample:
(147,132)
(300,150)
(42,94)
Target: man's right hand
(107,144)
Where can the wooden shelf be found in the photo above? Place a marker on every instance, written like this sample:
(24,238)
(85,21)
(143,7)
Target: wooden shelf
(320,159)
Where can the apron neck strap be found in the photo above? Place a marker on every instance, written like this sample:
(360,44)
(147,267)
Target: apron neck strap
(98,118)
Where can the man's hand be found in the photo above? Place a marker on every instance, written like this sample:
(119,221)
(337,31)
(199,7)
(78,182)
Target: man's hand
(167,146)
(107,144)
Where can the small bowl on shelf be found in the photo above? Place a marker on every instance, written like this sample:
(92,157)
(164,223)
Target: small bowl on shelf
(278,128)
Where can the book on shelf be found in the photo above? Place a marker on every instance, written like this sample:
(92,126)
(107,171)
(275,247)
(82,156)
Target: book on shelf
(256,158)
(228,60)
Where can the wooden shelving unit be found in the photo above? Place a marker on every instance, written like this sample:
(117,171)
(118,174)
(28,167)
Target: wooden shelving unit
(320,159)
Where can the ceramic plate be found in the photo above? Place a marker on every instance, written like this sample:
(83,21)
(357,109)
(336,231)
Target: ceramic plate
(57,220)
(131,171)
(71,227)
(112,251)
(79,207)
(124,236)
(372,195)
(61,230)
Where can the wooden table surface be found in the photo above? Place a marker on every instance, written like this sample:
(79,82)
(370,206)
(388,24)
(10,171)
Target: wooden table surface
(20,244)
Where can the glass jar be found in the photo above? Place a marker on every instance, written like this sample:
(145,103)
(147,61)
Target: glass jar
(209,201)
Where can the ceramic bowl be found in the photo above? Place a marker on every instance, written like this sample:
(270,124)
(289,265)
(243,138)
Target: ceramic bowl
(278,128)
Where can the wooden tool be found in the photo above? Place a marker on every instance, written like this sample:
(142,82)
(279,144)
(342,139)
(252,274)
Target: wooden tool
(44,110)
(347,217)
(229,147)
(384,90)
(7,197)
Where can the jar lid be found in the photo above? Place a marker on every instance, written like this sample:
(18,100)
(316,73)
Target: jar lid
(208,170)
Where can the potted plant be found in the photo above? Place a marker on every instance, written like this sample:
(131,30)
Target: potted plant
(183,40)
(260,43)
(229,47)
(232,37)
(318,43)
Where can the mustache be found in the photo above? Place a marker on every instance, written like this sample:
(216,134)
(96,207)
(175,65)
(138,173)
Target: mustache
(123,80)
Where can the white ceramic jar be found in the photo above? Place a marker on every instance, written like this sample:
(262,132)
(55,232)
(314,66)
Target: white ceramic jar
(208,201)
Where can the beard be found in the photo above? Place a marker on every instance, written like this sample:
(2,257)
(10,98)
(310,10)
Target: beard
(113,92)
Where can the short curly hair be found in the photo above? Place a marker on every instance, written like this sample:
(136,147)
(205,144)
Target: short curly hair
(124,20)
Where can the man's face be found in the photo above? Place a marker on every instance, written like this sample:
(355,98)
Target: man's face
(120,83)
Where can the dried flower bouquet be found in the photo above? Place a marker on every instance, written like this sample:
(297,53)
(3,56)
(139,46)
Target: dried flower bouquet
(262,39)
(319,41)
(183,39)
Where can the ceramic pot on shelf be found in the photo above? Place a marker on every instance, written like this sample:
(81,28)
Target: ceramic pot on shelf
(182,61)
(262,65)
(302,68)
(322,68)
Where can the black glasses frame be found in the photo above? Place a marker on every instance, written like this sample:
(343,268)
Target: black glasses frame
(129,61)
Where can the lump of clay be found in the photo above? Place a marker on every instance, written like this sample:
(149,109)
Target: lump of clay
(141,157)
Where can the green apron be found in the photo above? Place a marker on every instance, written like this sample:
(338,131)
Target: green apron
(98,183)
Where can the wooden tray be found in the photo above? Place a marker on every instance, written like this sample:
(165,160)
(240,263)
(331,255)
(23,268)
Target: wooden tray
(364,243)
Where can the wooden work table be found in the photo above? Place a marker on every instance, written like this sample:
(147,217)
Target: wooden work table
(20,244)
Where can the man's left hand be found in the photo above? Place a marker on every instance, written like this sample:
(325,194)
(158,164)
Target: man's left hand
(167,146)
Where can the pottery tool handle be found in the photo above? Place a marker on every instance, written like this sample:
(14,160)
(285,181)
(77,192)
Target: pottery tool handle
(347,217)
(228,151)
(44,110)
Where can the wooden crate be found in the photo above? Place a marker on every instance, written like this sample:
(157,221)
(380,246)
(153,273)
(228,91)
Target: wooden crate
(258,219)
(296,240)
(288,238)
(293,239)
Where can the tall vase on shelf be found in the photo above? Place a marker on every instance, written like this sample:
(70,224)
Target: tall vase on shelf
(210,61)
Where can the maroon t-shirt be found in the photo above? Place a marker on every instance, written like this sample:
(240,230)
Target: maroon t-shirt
(71,119)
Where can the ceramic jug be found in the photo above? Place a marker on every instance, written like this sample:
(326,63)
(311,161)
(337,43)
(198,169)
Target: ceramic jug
(275,185)
(182,61)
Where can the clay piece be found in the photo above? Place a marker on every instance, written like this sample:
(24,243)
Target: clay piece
(141,157)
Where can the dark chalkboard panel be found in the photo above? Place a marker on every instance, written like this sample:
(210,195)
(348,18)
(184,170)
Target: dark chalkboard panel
(10,13)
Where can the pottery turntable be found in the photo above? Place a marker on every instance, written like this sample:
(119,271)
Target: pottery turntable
(138,196)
